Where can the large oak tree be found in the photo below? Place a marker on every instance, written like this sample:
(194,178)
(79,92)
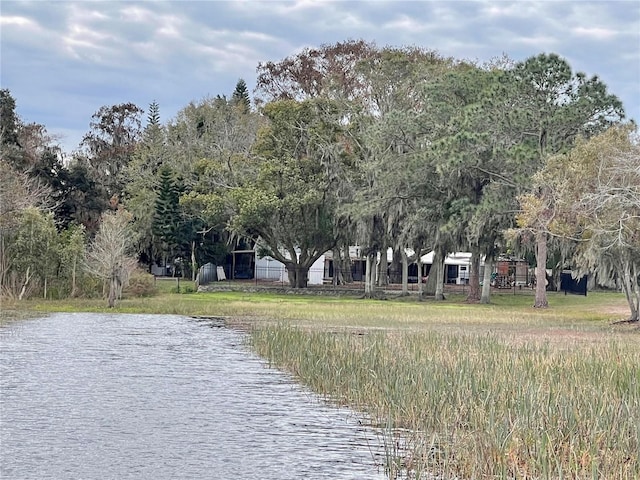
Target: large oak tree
(288,202)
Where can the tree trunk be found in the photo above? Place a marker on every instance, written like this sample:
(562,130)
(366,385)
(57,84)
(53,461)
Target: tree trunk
(422,291)
(405,272)
(27,277)
(439,293)
(382,270)
(291,274)
(556,274)
(111,302)
(120,285)
(346,267)
(45,288)
(631,290)
(635,274)
(194,267)
(474,277)
(432,282)
(432,278)
(298,275)
(302,278)
(73,278)
(338,278)
(395,267)
(368,277)
(486,280)
(541,271)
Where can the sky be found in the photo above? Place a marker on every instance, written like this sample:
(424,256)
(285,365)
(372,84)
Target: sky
(63,60)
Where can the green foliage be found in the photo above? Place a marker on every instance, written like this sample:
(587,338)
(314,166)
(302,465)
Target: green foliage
(91,288)
(31,254)
(240,96)
(183,288)
(72,251)
(8,121)
(153,117)
(110,144)
(289,202)
(534,110)
(167,219)
(142,206)
(84,198)
(591,194)
(394,146)
(209,144)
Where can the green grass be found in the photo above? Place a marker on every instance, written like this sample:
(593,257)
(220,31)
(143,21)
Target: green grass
(507,315)
(569,307)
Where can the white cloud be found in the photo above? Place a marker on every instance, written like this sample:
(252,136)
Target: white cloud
(82,42)
(135,14)
(540,42)
(406,24)
(18,21)
(503,10)
(596,33)
(278,8)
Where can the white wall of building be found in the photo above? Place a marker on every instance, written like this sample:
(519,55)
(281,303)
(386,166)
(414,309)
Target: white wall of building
(268,268)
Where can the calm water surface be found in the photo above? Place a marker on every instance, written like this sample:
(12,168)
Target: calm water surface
(101,396)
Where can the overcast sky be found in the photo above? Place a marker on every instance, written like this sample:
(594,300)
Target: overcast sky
(63,60)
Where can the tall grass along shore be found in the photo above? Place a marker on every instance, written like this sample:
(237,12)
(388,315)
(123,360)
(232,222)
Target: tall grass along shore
(474,406)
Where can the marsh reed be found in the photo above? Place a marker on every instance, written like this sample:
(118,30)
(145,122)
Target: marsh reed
(477,406)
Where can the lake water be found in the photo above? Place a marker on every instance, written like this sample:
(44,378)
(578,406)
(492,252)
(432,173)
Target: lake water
(102,396)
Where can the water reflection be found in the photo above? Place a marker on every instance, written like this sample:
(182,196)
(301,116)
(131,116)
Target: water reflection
(148,396)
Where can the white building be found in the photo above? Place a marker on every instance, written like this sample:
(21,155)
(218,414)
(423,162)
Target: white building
(457,265)
(268,268)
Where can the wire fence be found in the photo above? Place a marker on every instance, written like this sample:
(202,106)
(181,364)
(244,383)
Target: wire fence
(276,275)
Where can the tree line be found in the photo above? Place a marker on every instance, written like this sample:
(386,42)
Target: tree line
(343,144)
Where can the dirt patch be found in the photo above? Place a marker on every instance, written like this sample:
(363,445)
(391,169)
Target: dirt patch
(568,338)
(616,311)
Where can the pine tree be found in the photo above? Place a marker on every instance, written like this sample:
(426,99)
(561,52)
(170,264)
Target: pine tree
(167,221)
(153,118)
(8,119)
(240,96)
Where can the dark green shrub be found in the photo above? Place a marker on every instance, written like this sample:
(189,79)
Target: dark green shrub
(90,287)
(184,288)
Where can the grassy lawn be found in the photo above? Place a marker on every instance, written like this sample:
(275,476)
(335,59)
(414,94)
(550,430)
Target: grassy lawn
(508,314)
(465,391)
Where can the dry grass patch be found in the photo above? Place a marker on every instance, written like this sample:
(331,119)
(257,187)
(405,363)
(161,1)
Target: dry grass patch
(477,406)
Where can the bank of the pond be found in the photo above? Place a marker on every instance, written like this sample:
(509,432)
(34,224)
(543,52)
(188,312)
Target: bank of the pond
(511,315)
(9,312)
